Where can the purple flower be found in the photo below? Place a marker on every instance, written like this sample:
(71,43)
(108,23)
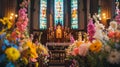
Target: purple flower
(72,39)
(91,29)
(22,12)
(117,18)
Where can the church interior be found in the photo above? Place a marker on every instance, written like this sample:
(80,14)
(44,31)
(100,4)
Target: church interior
(59,33)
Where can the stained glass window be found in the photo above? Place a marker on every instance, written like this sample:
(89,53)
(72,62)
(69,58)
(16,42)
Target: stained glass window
(58,12)
(74,14)
(43,16)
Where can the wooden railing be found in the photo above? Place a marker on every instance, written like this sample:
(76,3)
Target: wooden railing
(57,53)
(57,56)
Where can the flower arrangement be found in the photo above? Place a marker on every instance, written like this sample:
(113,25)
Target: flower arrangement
(102,48)
(16,46)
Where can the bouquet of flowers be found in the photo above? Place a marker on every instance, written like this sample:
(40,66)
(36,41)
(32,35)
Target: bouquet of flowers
(16,46)
(101,49)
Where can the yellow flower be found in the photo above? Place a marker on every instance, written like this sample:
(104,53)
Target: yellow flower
(42,49)
(3,31)
(6,21)
(25,61)
(3,22)
(96,46)
(32,49)
(9,25)
(36,64)
(78,43)
(12,54)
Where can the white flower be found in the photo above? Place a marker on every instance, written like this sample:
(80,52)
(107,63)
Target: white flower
(113,26)
(70,48)
(114,57)
(99,26)
(99,31)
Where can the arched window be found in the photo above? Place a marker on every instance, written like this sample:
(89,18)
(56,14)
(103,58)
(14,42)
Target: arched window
(58,12)
(74,14)
(43,16)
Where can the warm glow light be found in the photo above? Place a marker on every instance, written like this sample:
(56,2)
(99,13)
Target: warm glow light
(103,14)
(104,17)
(11,17)
(12,14)
(16,15)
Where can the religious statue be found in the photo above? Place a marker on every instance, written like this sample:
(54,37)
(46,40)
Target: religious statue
(50,35)
(58,32)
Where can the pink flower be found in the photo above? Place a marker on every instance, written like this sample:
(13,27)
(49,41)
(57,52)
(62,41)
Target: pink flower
(91,39)
(21,26)
(117,18)
(33,60)
(25,23)
(22,21)
(91,29)
(83,49)
(26,19)
(91,33)
(22,13)
(75,51)
(72,39)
